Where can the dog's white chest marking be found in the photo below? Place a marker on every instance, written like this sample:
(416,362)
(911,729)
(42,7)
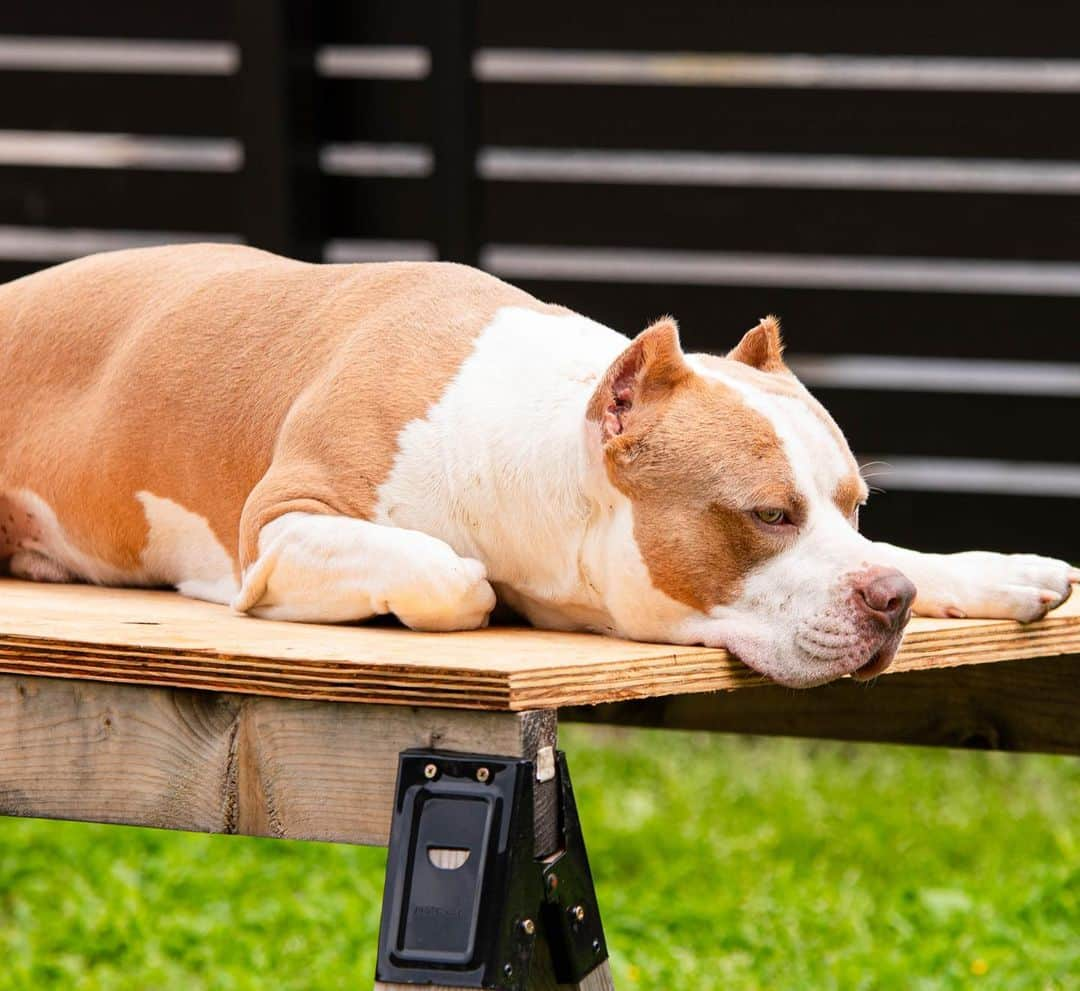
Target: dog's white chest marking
(495,467)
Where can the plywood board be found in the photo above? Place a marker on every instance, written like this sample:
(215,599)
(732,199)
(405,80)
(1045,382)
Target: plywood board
(159,638)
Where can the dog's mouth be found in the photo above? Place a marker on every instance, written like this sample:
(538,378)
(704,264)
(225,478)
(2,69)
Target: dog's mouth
(879,660)
(815,673)
(804,668)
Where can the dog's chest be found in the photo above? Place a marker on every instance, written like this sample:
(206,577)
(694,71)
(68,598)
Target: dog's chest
(496,466)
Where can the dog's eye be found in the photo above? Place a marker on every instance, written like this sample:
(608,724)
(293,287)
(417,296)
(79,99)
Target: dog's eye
(773,517)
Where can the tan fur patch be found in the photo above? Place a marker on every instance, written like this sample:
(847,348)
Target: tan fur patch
(210,373)
(761,347)
(693,464)
(850,493)
(775,378)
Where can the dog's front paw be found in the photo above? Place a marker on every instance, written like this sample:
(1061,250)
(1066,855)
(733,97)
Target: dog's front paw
(984,585)
(455,595)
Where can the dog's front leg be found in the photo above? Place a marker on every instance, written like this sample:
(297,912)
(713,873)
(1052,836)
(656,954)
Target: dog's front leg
(982,584)
(329,569)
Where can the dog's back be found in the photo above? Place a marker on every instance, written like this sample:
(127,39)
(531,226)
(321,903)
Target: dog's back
(147,371)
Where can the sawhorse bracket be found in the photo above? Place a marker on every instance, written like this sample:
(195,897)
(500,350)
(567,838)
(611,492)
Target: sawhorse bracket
(481,891)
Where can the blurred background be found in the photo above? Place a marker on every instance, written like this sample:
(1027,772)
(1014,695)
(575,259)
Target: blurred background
(901,184)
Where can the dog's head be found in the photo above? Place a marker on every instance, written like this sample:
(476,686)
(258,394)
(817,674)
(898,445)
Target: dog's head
(733,503)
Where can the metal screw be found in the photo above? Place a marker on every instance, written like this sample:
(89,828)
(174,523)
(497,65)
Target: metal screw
(577,913)
(552,882)
(482,774)
(528,927)
(508,970)
(596,946)
(430,771)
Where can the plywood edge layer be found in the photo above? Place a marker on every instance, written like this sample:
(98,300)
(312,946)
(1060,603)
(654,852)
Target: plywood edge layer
(158,638)
(528,693)
(533,688)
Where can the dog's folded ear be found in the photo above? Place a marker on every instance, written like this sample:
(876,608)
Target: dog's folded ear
(761,347)
(643,374)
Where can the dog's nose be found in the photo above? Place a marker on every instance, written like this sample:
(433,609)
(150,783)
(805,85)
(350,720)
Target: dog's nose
(887,594)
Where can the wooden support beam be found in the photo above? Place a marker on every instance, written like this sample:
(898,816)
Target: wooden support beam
(1028,706)
(223,763)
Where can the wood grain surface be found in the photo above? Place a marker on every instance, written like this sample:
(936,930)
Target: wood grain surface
(160,638)
(225,763)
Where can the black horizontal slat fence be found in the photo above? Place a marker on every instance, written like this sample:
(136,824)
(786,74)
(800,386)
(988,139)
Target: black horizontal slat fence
(949,521)
(843,321)
(118,102)
(901,185)
(807,221)
(783,120)
(379,110)
(952,27)
(193,19)
(949,27)
(120,198)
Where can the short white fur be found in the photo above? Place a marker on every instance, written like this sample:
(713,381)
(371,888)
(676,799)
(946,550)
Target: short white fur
(182,550)
(505,468)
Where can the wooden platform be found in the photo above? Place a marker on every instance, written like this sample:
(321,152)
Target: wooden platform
(151,751)
(160,638)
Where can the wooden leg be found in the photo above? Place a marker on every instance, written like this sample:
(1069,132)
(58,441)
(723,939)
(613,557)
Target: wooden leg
(541,978)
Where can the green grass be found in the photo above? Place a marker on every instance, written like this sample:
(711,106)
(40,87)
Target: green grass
(721,863)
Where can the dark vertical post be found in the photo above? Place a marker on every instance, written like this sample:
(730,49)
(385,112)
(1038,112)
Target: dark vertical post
(277,105)
(455,113)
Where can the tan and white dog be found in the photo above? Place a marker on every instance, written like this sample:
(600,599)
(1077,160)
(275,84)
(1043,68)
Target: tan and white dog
(333,442)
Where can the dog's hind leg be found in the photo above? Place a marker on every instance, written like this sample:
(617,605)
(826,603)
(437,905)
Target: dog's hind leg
(21,544)
(326,568)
